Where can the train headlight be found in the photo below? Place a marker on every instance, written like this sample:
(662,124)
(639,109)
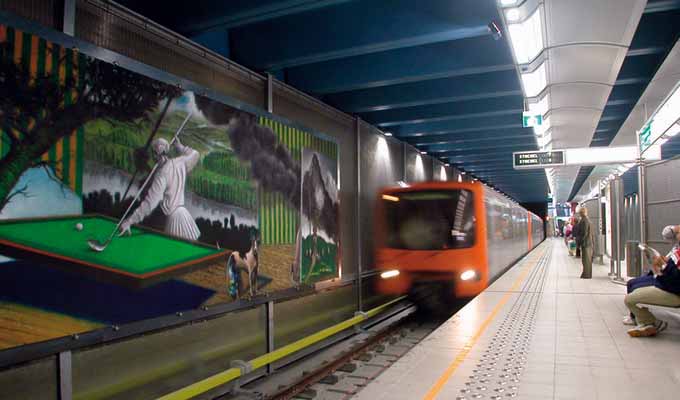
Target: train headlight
(390,274)
(468,275)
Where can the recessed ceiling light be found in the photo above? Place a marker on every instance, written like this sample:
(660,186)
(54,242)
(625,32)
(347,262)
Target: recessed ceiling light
(423,152)
(506,3)
(388,133)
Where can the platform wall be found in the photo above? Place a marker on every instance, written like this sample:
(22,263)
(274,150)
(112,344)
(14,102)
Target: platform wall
(663,202)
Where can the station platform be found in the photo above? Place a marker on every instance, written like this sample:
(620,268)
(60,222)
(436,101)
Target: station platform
(539,332)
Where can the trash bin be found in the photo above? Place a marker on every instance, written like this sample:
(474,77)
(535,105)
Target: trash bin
(633,259)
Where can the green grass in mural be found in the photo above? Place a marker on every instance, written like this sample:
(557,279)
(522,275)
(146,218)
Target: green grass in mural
(220,176)
(325,267)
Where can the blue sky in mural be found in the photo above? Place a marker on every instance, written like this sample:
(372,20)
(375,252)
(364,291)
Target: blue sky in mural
(43,197)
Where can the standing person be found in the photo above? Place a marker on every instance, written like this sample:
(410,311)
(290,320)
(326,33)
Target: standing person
(567,233)
(587,243)
(576,233)
(167,188)
(661,287)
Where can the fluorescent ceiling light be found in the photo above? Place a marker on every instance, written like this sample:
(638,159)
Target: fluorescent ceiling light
(526,37)
(534,82)
(507,3)
(388,133)
(512,15)
(603,155)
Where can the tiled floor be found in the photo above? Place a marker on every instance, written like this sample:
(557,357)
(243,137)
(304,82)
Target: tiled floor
(539,332)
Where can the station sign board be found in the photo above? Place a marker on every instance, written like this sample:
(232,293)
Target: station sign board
(538,159)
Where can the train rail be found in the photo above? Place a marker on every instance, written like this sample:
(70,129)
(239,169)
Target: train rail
(343,369)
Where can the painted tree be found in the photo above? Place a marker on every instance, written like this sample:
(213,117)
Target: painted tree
(35,113)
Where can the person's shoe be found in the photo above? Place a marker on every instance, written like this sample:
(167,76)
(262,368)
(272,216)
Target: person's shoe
(643,331)
(660,325)
(628,320)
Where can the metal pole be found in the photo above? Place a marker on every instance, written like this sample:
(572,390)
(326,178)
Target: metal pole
(610,215)
(69,27)
(642,204)
(65,372)
(403,161)
(600,223)
(360,300)
(269,314)
(269,94)
(618,192)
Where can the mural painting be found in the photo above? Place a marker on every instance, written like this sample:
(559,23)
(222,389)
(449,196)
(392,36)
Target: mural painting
(124,198)
(319,228)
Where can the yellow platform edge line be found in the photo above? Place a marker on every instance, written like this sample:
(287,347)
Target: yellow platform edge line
(462,355)
(231,374)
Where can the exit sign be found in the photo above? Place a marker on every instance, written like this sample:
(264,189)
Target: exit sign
(530,119)
(537,159)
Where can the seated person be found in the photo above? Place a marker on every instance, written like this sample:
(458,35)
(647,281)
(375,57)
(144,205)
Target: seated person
(661,287)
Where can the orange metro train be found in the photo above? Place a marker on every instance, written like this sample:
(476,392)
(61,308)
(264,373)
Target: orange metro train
(459,236)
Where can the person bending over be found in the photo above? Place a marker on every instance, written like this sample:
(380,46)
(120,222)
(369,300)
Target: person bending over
(660,287)
(167,188)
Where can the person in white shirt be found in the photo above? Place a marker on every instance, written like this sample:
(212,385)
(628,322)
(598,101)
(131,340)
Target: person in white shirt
(167,188)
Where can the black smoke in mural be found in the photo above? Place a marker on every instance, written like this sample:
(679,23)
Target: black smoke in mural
(271,164)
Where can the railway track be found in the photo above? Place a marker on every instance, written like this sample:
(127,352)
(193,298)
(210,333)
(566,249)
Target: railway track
(343,369)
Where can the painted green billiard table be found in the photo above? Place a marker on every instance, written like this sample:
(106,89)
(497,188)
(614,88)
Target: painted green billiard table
(142,259)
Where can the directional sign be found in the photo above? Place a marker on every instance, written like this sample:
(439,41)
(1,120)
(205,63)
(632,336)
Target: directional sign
(530,119)
(538,159)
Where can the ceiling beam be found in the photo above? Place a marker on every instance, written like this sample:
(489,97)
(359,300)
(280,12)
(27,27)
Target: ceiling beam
(446,111)
(357,28)
(403,65)
(661,6)
(437,91)
(465,125)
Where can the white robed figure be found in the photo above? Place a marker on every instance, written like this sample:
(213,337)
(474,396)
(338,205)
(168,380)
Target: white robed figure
(167,188)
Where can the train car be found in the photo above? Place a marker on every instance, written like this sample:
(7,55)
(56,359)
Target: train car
(458,236)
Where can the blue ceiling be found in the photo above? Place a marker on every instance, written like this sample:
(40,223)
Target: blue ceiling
(428,71)
(657,32)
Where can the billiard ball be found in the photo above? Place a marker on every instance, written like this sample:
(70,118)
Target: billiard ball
(79,226)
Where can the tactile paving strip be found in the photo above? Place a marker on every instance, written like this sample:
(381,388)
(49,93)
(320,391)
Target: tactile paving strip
(498,372)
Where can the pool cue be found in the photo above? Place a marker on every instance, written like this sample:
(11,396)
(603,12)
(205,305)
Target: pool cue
(98,246)
(148,143)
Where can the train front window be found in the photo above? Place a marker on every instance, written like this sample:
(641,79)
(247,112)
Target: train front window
(430,220)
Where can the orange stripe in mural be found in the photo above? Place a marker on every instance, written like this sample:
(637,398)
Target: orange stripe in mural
(18,45)
(34,57)
(75,68)
(3,33)
(72,159)
(48,58)
(62,66)
(59,167)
